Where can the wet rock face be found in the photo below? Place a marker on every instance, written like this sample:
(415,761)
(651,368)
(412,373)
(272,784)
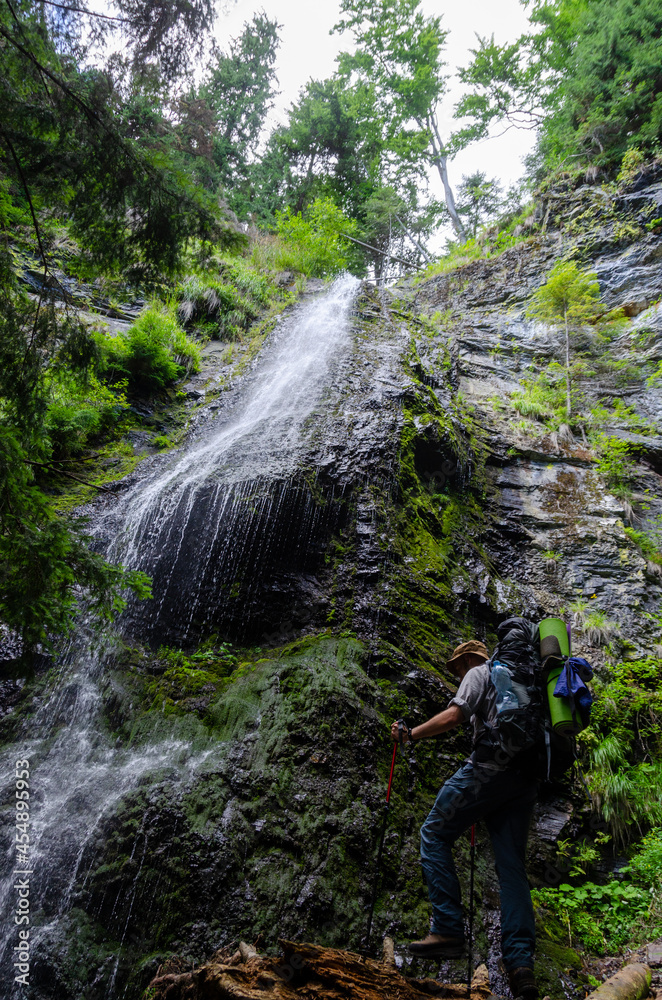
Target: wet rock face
(256,576)
(555,532)
(250,555)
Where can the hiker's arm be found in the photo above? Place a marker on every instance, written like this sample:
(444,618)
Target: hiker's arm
(448,719)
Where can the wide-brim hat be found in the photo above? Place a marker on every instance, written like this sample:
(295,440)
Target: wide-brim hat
(471,648)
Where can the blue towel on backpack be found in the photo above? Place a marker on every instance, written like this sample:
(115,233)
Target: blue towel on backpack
(572,685)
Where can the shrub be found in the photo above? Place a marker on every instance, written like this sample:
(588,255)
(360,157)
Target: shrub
(314,243)
(224,299)
(628,796)
(218,307)
(603,917)
(622,912)
(153,354)
(631,165)
(648,546)
(615,463)
(542,397)
(80,413)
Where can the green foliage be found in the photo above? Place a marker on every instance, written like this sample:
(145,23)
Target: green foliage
(488,244)
(222,122)
(47,364)
(542,396)
(93,180)
(629,796)
(656,377)
(582,855)
(588,75)
(222,301)
(569,295)
(45,562)
(332,146)
(603,917)
(313,243)
(78,413)
(598,628)
(336,145)
(184,677)
(398,57)
(578,610)
(648,545)
(478,199)
(457,255)
(153,354)
(645,866)
(614,463)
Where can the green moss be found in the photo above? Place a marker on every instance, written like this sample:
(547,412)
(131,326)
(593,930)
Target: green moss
(439,516)
(647,546)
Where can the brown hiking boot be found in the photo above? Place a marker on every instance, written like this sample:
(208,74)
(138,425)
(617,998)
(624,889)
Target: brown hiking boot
(438,946)
(522,983)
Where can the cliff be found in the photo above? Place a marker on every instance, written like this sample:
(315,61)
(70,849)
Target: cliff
(241,743)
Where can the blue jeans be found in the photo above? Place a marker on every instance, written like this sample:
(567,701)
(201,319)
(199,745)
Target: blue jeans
(504,799)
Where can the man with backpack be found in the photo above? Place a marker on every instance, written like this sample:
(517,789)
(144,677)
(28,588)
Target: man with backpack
(493,785)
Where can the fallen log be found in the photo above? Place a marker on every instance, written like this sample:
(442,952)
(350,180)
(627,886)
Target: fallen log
(306,971)
(632,982)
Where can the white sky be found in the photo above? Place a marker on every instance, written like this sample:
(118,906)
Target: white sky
(308,51)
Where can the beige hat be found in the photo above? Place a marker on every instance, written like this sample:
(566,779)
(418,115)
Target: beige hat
(472,648)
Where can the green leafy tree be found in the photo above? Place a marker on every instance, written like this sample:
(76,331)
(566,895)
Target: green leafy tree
(399,54)
(225,118)
(84,164)
(332,145)
(396,229)
(588,76)
(478,199)
(315,242)
(569,298)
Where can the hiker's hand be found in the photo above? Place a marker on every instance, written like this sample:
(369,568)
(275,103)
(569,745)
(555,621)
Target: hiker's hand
(395,733)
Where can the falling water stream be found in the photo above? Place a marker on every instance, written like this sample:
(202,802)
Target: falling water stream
(190,521)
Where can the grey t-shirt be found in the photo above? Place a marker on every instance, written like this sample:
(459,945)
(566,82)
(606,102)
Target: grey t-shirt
(477,698)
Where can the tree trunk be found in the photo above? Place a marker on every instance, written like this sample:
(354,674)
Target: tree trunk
(440,161)
(306,970)
(419,246)
(568,405)
(632,982)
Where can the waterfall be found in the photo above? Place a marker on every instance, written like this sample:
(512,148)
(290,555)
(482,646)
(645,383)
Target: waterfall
(193,520)
(206,522)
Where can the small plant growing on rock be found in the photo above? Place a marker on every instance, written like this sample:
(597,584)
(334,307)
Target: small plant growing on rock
(615,463)
(631,165)
(578,610)
(598,629)
(551,561)
(569,297)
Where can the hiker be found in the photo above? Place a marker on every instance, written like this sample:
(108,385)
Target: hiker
(496,790)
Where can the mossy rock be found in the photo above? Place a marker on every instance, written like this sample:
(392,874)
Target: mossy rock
(557,969)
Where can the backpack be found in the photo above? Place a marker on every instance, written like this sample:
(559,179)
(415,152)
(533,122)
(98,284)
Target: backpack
(522,737)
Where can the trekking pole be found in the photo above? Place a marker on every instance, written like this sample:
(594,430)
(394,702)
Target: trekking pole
(383,834)
(472,855)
